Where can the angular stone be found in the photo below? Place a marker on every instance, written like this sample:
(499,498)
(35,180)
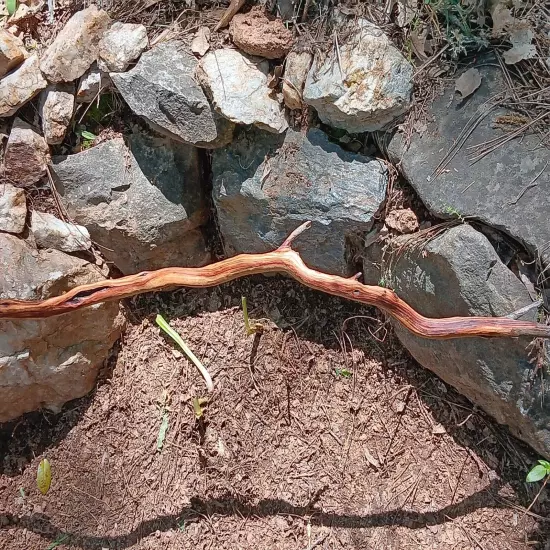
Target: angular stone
(142,205)
(257,33)
(296,69)
(459,274)
(51,232)
(26,157)
(45,363)
(402,220)
(507,189)
(21,86)
(364,87)
(76,47)
(122,44)
(239,91)
(92,83)
(56,111)
(201,42)
(12,52)
(266,185)
(161,88)
(25,12)
(13,209)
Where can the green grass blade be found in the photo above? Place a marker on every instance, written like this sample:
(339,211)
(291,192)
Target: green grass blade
(247,326)
(57,542)
(161,322)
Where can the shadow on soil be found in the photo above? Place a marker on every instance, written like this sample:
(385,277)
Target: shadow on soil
(313,317)
(234,506)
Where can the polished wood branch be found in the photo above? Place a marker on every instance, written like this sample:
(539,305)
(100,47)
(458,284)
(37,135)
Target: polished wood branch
(283,260)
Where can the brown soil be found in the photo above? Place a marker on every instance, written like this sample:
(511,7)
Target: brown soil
(320,434)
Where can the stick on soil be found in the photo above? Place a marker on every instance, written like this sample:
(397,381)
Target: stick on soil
(283,260)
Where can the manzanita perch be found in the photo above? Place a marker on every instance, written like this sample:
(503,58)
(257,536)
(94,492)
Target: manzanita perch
(283,260)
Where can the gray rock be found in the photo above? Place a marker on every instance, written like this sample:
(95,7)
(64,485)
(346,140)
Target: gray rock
(364,88)
(267,185)
(161,88)
(296,70)
(92,83)
(26,157)
(12,52)
(51,232)
(122,44)
(56,111)
(76,47)
(493,189)
(237,86)
(13,209)
(20,86)
(142,205)
(45,363)
(459,274)
(286,9)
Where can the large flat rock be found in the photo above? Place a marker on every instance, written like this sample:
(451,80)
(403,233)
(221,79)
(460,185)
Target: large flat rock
(238,88)
(459,274)
(26,157)
(364,85)
(12,52)
(266,185)
(20,86)
(142,203)
(494,189)
(162,89)
(76,47)
(45,363)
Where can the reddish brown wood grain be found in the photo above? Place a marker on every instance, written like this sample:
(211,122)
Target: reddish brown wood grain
(283,260)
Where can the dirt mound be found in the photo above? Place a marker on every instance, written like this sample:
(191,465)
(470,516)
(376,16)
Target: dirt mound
(319,433)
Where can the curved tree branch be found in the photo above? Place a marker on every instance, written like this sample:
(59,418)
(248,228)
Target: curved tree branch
(283,260)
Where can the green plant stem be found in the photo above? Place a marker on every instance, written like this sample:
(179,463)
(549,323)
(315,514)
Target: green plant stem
(250,328)
(538,494)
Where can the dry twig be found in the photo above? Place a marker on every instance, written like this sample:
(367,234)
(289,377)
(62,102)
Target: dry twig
(283,260)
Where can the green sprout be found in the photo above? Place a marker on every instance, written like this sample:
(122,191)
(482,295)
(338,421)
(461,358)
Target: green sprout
(251,328)
(538,472)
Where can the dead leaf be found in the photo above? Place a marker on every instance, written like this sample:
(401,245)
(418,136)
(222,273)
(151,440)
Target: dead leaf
(400,407)
(437,70)
(501,15)
(201,43)
(468,82)
(420,127)
(273,80)
(346,10)
(371,460)
(231,10)
(406,12)
(266,171)
(439,429)
(521,46)
(418,42)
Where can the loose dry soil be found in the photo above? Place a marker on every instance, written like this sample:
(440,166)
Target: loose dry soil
(321,433)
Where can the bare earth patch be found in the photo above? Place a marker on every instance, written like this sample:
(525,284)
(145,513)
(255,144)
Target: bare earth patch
(321,433)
